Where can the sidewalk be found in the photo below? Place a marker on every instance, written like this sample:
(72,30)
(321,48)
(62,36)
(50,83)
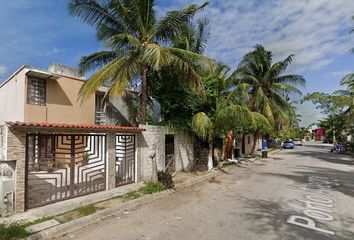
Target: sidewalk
(114,207)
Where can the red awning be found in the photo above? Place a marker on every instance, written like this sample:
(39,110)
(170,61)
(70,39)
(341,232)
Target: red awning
(74,126)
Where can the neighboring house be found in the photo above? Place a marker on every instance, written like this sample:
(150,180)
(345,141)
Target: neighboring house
(54,147)
(247,143)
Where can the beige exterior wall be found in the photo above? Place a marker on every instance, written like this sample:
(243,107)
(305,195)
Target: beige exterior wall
(62,104)
(249,143)
(12,98)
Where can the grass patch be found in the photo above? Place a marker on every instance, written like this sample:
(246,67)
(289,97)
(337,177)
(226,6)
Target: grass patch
(87,210)
(148,188)
(152,187)
(38,221)
(132,195)
(15,230)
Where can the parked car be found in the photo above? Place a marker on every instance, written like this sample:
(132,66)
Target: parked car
(297,142)
(288,144)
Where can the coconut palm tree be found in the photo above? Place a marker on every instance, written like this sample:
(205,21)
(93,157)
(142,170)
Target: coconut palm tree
(135,40)
(268,86)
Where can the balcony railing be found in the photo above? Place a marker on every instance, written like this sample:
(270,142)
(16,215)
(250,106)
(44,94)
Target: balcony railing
(101,118)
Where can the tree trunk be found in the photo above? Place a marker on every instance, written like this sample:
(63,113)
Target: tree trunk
(213,133)
(255,137)
(210,157)
(143,103)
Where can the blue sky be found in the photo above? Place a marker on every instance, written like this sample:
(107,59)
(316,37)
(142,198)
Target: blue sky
(39,32)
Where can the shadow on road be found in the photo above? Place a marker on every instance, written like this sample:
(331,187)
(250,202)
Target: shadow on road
(270,219)
(344,180)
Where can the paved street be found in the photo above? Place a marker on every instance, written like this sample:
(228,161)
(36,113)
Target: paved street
(305,193)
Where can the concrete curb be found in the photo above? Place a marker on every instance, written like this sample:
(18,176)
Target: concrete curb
(72,226)
(275,151)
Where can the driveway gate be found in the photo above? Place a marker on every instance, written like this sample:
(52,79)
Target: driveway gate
(59,167)
(125,159)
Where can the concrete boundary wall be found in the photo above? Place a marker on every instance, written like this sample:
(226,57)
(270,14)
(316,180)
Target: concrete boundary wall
(154,138)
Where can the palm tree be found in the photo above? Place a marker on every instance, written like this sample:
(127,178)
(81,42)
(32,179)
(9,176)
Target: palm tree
(225,112)
(268,87)
(134,41)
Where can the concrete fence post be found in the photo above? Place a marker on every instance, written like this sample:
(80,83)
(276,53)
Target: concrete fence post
(111,160)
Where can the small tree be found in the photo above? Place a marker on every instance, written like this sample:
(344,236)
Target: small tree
(222,114)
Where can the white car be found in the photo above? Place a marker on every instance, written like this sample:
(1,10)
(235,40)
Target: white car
(297,142)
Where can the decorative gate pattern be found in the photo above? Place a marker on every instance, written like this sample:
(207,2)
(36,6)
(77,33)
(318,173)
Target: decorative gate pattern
(60,167)
(125,159)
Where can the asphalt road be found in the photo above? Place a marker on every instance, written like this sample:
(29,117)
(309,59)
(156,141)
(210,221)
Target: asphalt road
(305,193)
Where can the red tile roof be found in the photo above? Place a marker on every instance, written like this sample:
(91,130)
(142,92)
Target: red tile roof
(74,126)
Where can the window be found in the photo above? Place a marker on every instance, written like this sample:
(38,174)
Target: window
(36,94)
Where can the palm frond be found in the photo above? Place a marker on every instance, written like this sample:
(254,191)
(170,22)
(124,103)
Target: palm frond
(296,80)
(235,117)
(169,25)
(96,60)
(124,41)
(279,67)
(202,35)
(90,11)
(285,88)
(116,74)
(348,80)
(202,126)
(261,124)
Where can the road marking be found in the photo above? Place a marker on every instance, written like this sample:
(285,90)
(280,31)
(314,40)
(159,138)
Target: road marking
(319,199)
(318,215)
(309,223)
(317,207)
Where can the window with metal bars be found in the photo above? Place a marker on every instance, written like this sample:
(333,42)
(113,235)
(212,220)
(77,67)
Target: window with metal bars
(36,94)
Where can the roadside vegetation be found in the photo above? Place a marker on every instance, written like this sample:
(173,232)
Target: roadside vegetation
(15,230)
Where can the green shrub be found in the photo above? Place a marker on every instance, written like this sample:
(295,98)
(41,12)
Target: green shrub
(13,230)
(152,187)
(166,179)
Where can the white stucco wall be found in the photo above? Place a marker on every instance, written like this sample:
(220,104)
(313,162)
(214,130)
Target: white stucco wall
(12,98)
(155,135)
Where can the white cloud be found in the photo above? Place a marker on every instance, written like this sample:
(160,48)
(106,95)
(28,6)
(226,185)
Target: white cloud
(316,31)
(54,50)
(3,70)
(340,73)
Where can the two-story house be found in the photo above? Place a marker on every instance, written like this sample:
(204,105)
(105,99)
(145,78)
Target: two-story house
(53,146)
